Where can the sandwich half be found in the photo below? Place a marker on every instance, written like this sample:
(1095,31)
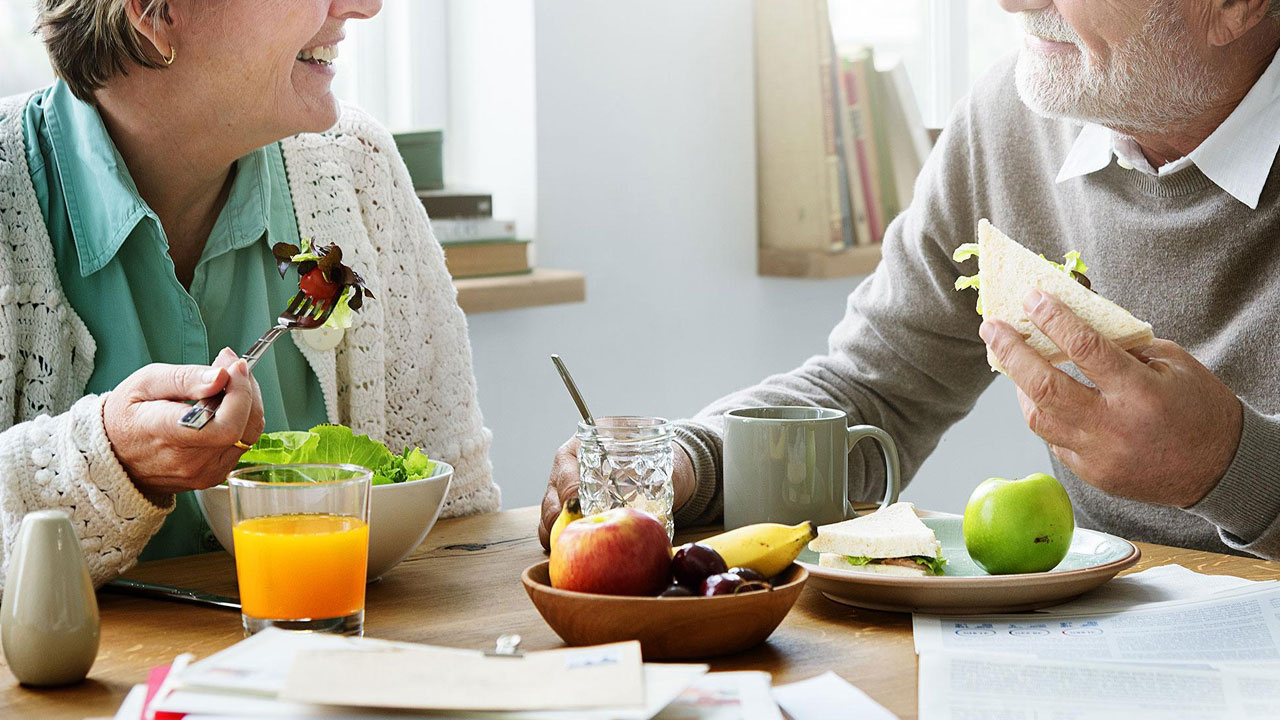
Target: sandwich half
(889,541)
(1007,271)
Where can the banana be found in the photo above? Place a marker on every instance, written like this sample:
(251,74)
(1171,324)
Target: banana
(767,548)
(570,511)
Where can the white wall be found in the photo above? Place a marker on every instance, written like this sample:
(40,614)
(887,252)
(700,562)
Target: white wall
(490,140)
(646,181)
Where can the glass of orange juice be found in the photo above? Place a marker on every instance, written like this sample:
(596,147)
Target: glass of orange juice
(301,537)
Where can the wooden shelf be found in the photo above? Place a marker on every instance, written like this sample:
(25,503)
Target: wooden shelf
(818,264)
(541,287)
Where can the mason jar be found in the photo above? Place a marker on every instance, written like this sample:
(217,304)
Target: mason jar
(626,461)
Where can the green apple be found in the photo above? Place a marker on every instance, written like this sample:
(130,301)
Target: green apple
(1018,526)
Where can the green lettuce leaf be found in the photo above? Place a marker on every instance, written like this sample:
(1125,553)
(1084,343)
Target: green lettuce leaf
(338,444)
(277,448)
(413,464)
(964,282)
(307,252)
(1071,263)
(342,313)
(965,251)
(931,564)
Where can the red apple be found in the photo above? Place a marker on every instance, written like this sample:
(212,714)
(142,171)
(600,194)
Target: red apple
(616,552)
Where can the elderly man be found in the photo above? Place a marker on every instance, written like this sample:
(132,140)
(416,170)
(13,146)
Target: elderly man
(1144,134)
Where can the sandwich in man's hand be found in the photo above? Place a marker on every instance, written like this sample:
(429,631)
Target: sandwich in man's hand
(1007,271)
(889,541)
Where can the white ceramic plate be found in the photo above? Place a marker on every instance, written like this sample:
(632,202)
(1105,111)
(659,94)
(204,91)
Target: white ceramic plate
(964,588)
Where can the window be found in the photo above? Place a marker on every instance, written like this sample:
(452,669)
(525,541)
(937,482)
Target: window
(944,44)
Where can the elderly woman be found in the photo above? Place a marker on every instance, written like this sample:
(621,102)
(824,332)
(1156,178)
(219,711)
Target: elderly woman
(140,196)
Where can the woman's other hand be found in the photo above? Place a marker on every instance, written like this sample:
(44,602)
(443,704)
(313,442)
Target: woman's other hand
(162,457)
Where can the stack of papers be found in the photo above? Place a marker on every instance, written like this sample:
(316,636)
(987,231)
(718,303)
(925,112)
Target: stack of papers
(280,674)
(1167,642)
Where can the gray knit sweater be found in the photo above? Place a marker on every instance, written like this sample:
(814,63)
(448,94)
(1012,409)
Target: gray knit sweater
(1177,251)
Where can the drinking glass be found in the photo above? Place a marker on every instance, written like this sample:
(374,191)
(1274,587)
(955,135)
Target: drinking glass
(301,536)
(627,462)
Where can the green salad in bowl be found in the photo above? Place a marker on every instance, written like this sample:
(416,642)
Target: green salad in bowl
(408,490)
(338,444)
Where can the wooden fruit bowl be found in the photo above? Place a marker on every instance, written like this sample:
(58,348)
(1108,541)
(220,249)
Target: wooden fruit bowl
(667,628)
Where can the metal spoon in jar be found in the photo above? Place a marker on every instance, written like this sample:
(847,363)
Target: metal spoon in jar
(572,387)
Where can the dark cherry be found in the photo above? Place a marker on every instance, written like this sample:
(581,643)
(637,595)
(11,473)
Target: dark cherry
(728,583)
(747,574)
(676,591)
(694,562)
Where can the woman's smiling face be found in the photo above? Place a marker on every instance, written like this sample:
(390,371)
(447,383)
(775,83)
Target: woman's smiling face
(265,64)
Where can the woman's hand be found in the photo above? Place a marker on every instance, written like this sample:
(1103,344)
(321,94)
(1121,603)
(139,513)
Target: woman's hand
(162,457)
(563,485)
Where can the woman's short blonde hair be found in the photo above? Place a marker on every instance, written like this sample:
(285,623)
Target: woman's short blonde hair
(92,41)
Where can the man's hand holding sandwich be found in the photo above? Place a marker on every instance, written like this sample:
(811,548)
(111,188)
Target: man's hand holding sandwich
(1156,426)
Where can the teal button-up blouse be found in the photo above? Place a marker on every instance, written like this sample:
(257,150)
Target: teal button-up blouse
(113,262)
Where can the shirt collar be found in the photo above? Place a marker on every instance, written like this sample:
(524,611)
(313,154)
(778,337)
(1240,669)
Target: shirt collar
(103,203)
(1237,156)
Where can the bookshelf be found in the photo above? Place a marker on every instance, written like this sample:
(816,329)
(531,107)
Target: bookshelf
(817,264)
(839,143)
(543,286)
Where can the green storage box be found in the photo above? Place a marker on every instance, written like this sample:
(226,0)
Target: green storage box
(423,154)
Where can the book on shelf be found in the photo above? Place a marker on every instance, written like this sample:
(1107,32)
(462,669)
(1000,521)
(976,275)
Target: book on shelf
(884,170)
(855,184)
(485,258)
(451,203)
(909,143)
(802,202)
(423,155)
(449,230)
(859,68)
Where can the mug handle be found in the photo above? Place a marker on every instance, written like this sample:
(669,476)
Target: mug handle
(890,451)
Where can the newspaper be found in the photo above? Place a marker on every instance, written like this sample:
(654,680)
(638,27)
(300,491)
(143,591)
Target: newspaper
(1009,686)
(1215,654)
(1159,584)
(1241,625)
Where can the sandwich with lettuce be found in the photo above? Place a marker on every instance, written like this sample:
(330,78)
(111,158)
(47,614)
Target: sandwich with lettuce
(889,541)
(337,444)
(1007,271)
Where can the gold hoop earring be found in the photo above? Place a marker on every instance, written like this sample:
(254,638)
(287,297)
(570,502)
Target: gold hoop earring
(173,55)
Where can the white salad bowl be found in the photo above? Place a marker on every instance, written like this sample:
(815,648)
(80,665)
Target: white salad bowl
(400,516)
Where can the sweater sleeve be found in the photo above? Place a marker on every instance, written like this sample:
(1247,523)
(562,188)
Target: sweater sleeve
(1245,504)
(906,357)
(65,462)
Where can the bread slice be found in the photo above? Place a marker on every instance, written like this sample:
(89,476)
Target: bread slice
(892,531)
(1007,271)
(841,562)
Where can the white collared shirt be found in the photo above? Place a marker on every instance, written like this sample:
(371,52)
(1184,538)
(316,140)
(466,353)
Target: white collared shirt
(1237,156)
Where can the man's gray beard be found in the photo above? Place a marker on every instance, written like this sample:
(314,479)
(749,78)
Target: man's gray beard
(1150,85)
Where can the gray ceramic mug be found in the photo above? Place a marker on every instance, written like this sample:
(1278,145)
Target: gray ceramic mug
(790,464)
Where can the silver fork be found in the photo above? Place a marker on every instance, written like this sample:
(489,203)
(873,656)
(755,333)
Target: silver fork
(303,313)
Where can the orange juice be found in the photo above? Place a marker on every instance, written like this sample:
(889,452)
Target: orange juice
(296,567)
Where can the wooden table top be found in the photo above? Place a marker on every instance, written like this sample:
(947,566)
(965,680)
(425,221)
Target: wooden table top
(462,588)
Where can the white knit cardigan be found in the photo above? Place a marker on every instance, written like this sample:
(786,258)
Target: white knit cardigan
(402,373)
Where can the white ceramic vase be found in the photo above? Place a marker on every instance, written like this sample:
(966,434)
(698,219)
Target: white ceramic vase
(49,615)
